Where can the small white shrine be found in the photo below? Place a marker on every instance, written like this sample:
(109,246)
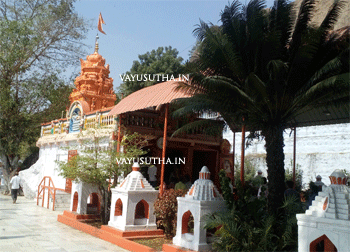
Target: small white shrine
(132,204)
(202,199)
(85,198)
(326,225)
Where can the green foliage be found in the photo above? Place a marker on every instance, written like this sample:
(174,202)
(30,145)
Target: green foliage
(160,61)
(133,145)
(95,163)
(226,190)
(248,227)
(249,171)
(37,40)
(298,175)
(264,69)
(165,209)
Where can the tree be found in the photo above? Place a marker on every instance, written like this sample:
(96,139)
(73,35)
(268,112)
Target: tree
(37,40)
(96,162)
(259,71)
(160,61)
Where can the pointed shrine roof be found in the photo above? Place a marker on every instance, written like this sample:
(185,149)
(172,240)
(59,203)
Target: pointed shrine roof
(203,188)
(135,181)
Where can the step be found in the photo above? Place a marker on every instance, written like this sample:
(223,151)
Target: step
(62,200)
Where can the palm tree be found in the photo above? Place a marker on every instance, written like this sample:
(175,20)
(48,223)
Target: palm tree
(264,68)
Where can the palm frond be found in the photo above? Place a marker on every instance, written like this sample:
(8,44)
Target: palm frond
(201,30)
(331,18)
(303,18)
(215,46)
(338,65)
(231,21)
(329,90)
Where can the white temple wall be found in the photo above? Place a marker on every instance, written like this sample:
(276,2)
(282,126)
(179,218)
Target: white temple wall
(319,150)
(46,166)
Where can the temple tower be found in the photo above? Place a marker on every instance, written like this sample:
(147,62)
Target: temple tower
(94,87)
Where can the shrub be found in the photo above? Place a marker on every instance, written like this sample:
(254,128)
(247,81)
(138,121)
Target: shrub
(298,175)
(165,209)
(247,225)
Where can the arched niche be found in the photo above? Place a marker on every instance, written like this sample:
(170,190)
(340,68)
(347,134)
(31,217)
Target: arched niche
(187,223)
(118,208)
(75,115)
(322,243)
(93,204)
(74,122)
(141,213)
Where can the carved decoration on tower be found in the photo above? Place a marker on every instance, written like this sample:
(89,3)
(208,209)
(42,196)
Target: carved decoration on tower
(94,84)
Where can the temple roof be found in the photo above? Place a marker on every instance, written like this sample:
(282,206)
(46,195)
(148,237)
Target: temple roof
(155,95)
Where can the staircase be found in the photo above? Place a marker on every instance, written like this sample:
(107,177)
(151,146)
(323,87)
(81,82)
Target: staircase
(62,201)
(51,197)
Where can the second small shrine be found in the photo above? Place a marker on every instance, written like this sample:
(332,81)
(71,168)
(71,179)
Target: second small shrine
(132,206)
(202,199)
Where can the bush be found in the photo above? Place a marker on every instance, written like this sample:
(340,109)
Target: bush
(165,209)
(298,175)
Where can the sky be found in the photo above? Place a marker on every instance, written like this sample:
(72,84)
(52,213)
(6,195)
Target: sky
(136,27)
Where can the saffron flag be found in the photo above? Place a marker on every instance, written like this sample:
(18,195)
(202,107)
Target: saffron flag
(100,22)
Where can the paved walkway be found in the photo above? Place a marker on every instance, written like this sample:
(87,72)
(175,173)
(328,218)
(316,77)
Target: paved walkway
(26,227)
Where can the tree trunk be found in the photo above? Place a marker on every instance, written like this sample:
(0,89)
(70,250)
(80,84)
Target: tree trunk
(105,205)
(275,167)
(8,171)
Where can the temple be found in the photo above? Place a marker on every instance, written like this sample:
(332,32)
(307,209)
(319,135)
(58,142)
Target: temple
(146,111)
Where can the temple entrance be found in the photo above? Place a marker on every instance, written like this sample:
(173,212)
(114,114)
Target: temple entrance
(203,158)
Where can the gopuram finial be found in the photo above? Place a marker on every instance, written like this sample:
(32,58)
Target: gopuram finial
(96,44)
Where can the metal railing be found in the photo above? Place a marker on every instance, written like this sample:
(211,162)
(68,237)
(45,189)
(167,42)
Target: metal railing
(51,192)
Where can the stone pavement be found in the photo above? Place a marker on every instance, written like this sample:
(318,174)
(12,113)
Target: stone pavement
(26,227)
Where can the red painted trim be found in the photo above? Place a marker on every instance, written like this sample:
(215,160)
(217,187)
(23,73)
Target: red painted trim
(174,248)
(105,233)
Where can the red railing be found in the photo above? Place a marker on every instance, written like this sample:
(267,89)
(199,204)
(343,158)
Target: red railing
(51,191)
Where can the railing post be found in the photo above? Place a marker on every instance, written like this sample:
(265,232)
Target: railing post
(43,199)
(54,199)
(48,195)
(37,199)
